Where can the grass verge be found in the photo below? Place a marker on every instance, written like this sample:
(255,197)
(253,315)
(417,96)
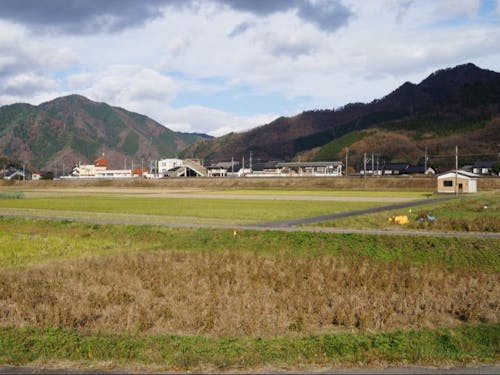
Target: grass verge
(445,346)
(466,214)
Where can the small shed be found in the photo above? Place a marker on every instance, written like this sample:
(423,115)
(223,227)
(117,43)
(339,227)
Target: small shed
(466,181)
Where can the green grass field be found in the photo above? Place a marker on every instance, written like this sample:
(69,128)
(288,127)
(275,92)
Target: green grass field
(246,210)
(461,345)
(26,242)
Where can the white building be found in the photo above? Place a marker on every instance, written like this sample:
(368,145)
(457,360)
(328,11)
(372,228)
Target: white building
(313,168)
(457,182)
(166,165)
(99,170)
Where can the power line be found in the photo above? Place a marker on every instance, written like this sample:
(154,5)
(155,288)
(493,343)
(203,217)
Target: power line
(433,156)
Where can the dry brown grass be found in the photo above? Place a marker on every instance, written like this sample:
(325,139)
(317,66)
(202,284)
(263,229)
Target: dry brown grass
(233,294)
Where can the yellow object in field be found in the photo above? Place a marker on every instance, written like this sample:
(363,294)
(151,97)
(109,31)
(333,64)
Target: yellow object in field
(401,220)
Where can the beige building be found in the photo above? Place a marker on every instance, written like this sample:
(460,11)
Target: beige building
(460,181)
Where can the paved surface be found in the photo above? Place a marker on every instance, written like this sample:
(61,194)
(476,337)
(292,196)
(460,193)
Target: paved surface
(491,369)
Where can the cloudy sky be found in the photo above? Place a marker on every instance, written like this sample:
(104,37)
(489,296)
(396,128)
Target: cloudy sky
(217,66)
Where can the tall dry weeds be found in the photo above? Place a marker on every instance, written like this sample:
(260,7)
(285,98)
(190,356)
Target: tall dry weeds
(234,294)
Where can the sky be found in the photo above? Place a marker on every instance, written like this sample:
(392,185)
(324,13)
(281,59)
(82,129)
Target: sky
(217,66)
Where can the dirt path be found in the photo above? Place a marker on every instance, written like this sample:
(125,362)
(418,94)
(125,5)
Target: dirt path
(200,194)
(279,197)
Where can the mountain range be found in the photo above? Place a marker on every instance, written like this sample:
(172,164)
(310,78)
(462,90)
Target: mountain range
(74,129)
(454,106)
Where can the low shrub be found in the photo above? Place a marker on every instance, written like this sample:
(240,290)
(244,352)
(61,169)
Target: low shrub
(11,194)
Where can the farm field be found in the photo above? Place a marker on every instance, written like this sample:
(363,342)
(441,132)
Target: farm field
(159,298)
(241,210)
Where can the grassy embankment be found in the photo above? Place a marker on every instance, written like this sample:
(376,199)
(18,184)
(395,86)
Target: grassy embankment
(427,183)
(91,293)
(477,213)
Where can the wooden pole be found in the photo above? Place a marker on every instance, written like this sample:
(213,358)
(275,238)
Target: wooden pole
(346,159)
(456,170)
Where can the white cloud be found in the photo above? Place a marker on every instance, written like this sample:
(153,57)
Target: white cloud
(129,86)
(496,9)
(28,67)
(79,81)
(28,83)
(261,49)
(211,121)
(22,52)
(454,8)
(149,92)
(286,44)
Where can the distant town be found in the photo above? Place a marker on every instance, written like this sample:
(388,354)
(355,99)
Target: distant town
(462,180)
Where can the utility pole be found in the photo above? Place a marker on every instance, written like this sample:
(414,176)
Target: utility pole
(251,154)
(425,160)
(24,172)
(232,164)
(364,164)
(373,164)
(456,170)
(346,159)
(125,164)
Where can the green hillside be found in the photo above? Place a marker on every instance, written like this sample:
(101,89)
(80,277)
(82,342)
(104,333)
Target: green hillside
(75,129)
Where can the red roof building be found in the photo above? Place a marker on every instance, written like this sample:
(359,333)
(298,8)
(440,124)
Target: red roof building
(101,162)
